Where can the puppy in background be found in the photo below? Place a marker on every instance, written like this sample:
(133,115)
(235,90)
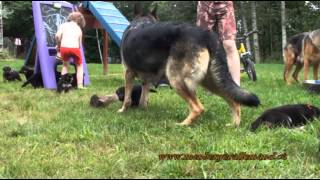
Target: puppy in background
(101,101)
(289,116)
(10,74)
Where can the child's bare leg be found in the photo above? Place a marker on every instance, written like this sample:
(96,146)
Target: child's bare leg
(80,75)
(64,69)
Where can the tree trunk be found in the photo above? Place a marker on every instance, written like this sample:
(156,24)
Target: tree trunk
(283,24)
(245,26)
(255,35)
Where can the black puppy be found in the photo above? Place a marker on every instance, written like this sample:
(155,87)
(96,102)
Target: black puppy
(101,101)
(66,83)
(35,79)
(288,116)
(10,74)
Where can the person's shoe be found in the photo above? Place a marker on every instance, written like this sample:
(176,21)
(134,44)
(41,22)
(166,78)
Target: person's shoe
(82,87)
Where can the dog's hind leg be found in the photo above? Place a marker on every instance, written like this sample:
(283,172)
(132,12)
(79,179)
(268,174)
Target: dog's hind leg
(296,72)
(129,77)
(144,95)
(195,106)
(184,74)
(289,60)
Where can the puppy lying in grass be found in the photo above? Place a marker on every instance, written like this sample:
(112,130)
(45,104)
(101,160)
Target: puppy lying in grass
(289,116)
(10,74)
(102,101)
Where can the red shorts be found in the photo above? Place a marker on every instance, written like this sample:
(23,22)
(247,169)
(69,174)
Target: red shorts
(218,16)
(74,53)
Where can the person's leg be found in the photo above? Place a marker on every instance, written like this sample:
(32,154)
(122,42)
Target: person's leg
(233,59)
(79,75)
(227,32)
(64,69)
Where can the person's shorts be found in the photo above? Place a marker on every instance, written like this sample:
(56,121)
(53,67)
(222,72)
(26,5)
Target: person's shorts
(217,16)
(74,53)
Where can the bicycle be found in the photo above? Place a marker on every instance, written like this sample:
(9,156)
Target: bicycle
(246,57)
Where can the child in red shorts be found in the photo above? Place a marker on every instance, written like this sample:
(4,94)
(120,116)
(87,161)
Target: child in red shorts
(69,38)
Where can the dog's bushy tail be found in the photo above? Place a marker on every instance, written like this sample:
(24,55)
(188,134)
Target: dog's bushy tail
(219,71)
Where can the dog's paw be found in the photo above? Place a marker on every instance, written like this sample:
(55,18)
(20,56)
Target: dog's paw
(122,110)
(184,123)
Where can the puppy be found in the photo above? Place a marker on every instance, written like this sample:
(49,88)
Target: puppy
(288,116)
(35,79)
(102,101)
(27,71)
(65,83)
(10,74)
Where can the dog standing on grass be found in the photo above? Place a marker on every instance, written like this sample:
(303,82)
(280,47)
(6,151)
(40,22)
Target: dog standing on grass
(311,53)
(188,55)
(302,50)
(292,57)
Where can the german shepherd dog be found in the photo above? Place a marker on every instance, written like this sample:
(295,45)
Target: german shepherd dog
(287,116)
(292,56)
(311,53)
(188,55)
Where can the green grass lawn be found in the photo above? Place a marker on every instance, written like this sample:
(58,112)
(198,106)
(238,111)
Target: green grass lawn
(47,135)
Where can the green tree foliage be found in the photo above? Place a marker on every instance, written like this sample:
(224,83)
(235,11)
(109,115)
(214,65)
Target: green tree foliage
(19,20)
(301,16)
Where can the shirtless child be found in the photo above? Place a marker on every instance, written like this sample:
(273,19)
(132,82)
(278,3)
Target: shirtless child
(68,39)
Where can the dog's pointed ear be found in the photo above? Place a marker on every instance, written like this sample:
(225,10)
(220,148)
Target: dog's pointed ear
(154,11)
(137,9)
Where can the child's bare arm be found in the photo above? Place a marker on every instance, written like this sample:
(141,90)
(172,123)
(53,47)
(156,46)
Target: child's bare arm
(80,40)
(58,37)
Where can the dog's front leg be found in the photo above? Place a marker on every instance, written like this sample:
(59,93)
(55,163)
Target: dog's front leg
(129,77)
(236,112)
(306,69)
(315,71)
(144,95)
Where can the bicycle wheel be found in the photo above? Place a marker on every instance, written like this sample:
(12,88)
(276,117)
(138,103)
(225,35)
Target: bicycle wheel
(251,70)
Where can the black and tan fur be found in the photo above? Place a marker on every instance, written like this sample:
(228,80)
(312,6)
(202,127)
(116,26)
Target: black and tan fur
(290,116)
(302,50)
(311,53)
(188,55)
(292,57)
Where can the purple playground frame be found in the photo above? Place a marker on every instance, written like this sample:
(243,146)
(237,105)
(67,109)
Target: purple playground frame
(45,49)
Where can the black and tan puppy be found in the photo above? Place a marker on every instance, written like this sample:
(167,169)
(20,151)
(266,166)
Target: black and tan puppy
(187,55)
(66,83)
(292,57)
(35,79)
(10,74)
(102,101)
(287,116)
